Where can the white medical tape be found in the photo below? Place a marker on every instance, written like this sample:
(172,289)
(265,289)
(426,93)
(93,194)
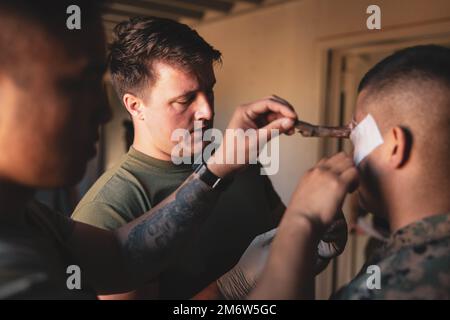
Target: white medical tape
(365,138)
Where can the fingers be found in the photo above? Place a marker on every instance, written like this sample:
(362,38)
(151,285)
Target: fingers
(343,166)
(281,100)
(275,105)
(283,125)
(290,132)
(321,162)
(335,159)
(350,178)
(274,116)
(279,114)
(339,163)
(285,102)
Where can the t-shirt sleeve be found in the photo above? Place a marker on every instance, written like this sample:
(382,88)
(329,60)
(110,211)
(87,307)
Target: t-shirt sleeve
(121,200)
(101,215)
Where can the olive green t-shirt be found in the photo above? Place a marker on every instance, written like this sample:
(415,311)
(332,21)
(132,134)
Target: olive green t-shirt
(139,182)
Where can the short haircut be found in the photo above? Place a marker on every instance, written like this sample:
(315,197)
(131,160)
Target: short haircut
(426,62)
(411,89)
(140,41)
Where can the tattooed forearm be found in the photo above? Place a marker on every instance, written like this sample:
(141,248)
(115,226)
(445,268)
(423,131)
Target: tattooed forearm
(151,241)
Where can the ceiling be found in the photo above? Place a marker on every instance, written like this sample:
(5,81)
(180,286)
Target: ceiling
(186,11)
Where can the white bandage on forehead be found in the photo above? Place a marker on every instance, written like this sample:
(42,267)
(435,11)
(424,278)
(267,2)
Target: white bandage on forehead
(365,137)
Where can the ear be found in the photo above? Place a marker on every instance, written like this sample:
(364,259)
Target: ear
(134,106)
(399,147)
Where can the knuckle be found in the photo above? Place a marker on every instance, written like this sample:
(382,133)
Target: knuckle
(317,170)
(334,182)
(242,107)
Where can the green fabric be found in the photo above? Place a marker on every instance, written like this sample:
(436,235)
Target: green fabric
(129,189)
(413,264)
(139,182)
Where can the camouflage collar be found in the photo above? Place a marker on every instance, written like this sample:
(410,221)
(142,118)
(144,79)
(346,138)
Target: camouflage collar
(420,233)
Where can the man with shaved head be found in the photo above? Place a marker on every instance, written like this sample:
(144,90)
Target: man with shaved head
(404,176)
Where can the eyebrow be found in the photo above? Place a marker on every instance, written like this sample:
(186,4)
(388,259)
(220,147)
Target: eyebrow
(190,92)
(187,93)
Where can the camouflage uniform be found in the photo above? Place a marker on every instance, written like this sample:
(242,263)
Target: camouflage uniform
(414,264)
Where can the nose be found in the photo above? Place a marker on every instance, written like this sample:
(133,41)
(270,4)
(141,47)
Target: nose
(204,108)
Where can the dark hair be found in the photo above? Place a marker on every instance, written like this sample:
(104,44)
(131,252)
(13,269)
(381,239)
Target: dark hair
(426,62)
(49,12)
(140,41)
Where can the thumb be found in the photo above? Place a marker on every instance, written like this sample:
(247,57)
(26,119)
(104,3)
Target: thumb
(282,125)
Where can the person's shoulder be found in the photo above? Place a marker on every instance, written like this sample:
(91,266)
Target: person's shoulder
(116,198)
(115,183)
(419,271)
(417,274)
(118,187)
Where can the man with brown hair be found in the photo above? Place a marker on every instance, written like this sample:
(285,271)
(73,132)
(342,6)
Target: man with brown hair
(163,72)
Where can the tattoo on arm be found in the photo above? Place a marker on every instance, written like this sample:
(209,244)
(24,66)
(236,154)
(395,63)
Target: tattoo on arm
(152,240)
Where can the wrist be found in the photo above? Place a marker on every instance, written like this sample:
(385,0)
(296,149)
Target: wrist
(211,178)
(306,222)
(219,170)
(217,164)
